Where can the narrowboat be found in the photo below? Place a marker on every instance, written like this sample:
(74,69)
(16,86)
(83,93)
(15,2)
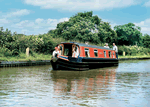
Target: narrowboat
(87,57)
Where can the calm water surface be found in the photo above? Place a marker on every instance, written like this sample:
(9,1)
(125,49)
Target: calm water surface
(127,85)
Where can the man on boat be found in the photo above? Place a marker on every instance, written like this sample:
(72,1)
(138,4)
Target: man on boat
(86,42)
(55,52)
(106,45)
(116,49)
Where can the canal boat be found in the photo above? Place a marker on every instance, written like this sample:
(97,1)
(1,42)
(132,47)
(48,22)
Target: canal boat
(85,57)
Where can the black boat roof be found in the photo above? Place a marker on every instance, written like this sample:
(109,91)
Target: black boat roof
(85,45)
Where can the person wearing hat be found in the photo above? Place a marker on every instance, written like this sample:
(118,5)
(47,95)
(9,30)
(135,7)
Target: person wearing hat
(106,45)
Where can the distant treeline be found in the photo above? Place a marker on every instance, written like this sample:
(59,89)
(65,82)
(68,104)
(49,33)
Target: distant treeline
(80,27)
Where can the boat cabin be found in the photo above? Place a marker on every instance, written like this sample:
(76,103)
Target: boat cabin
(83,50)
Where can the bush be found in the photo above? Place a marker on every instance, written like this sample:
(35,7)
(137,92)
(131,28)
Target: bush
(22,55)
(133,51)
(15,52)
(145,50)
(1,55)
(5,52)
(120,50)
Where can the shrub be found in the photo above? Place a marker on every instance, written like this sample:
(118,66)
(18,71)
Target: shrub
(120,50)
(5,51)
(22,55)
(15,52)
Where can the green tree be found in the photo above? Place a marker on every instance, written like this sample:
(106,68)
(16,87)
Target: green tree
(85,27)
(128,34)
(146,41)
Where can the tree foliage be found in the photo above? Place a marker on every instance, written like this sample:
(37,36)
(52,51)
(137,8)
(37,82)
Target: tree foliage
(146,41)
(128,34)
(85,27)
(80,27)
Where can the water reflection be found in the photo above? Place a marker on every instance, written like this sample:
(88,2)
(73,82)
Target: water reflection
(125,85)
(81,84)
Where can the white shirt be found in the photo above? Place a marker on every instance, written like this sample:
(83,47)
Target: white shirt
(75,54)
(106,46)
(115,48)
(55,52)
(59,52)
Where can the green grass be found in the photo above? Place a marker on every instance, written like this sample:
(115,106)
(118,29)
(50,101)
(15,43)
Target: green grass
(36,57)
(137,56)
(22,57)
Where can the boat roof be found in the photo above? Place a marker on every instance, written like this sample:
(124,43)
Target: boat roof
(85,45)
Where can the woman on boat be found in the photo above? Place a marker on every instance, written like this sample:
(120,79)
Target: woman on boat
(75,52)
(59,50)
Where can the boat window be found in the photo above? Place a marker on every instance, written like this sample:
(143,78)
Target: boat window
(66,52)
(104,53)
(113,53)
(109,53)
(87,54)
(95,53)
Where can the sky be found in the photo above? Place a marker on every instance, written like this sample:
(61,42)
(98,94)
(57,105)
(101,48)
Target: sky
(39,16)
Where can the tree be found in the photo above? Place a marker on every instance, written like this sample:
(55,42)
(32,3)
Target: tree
(52,33)
(85,27)
(128,34)
(146,41)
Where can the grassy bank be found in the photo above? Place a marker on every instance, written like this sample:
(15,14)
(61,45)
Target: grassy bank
(23,57)
(138,56)
(48,57)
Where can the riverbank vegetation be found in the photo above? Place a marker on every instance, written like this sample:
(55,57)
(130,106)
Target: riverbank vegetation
(23,57)
(80,28)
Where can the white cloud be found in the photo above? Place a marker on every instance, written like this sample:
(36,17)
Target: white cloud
(17,13)
(51,20)
(39,20)
(145,26)
(38,26)
(4,21)
(63,19)
(147,4)
(75,5)
(21,24)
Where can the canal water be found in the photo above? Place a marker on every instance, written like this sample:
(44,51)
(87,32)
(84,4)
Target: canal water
(127,85)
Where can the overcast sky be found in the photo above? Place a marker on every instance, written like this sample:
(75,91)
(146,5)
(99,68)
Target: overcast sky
(39,16)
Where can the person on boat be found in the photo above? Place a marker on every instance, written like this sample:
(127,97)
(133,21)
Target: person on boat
(106,45)
(59,50)
(55,52)
(86,42)
(75,52)
(116,49)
